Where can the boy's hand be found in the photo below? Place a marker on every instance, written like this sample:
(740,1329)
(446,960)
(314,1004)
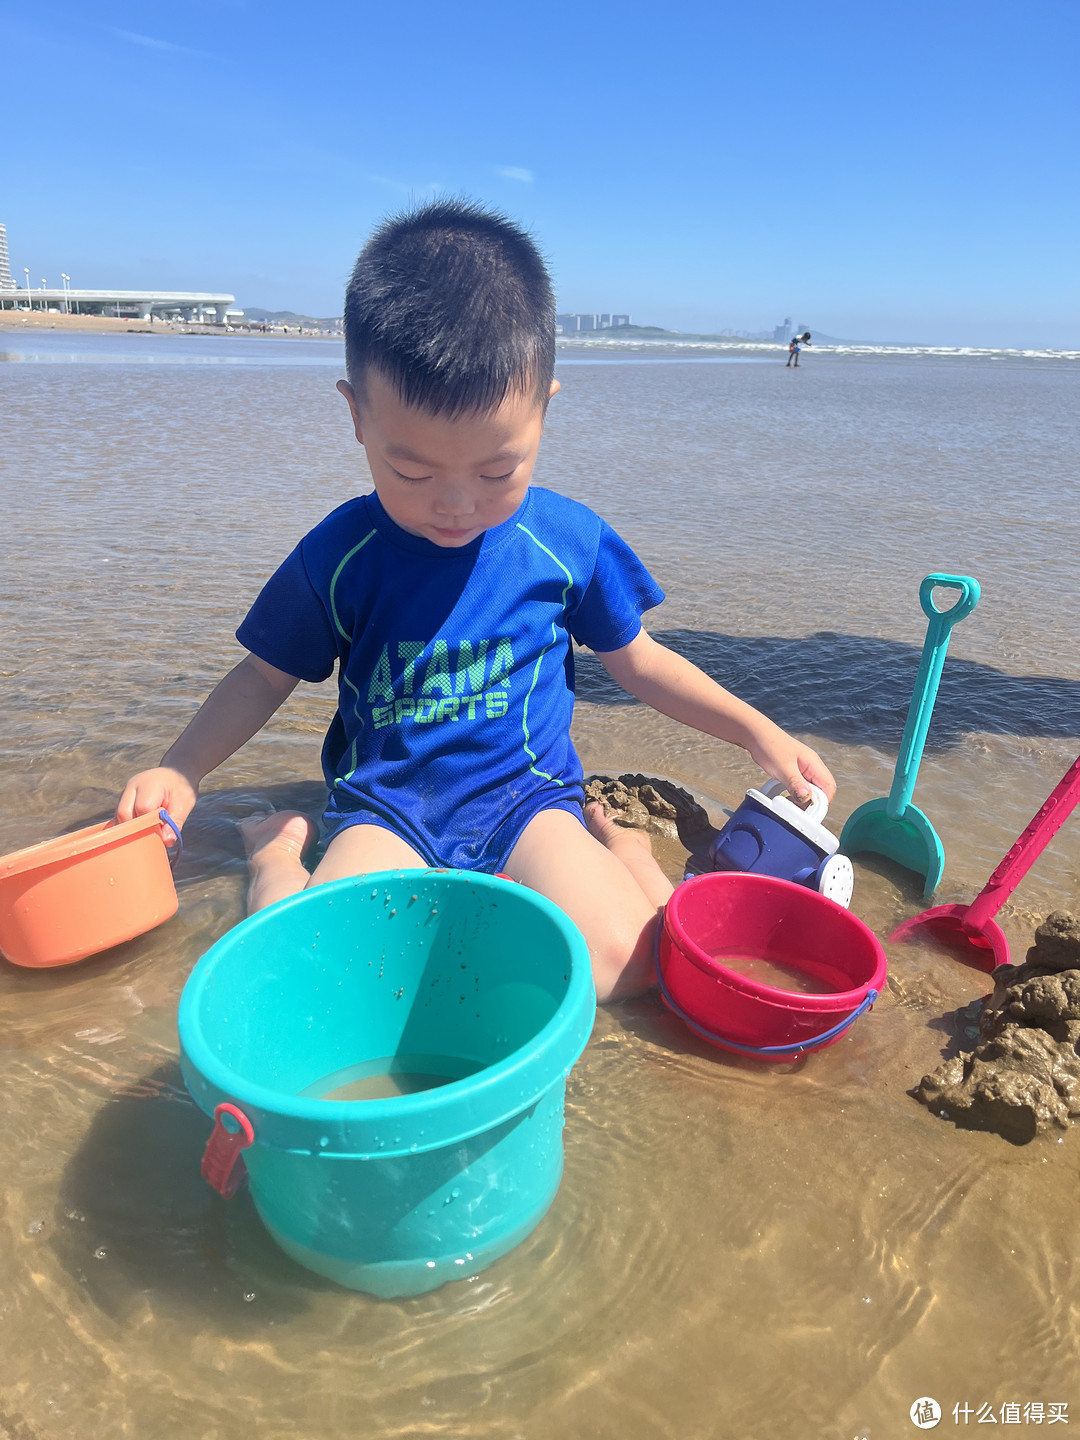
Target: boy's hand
(239,706)
(789,760)
(160,789)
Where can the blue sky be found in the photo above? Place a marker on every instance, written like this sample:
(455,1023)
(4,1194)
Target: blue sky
(881,172)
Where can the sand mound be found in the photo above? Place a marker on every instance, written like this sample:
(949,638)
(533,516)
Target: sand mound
(1023,1077)
(643,802)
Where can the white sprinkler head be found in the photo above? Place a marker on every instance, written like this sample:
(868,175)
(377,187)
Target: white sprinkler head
(837,880)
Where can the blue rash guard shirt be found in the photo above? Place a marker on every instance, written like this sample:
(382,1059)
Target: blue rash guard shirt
(455,667)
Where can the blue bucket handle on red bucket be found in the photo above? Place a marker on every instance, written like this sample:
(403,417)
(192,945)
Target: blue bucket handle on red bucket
(792,1049)
(173,851)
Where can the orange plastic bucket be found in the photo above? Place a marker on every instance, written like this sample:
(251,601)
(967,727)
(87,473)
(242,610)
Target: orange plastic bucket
(71,897)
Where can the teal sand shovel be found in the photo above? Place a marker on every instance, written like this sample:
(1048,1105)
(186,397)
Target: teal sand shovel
(894,827)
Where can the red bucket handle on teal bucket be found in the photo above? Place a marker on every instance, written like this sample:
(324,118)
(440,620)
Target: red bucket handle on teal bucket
(722,1040)
(222,1163)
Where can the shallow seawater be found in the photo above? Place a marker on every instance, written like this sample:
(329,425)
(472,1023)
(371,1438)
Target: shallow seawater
(387,1085)
(779,974)
(737,1249)
(389,1076)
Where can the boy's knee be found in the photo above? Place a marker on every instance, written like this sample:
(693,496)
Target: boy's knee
(623,964)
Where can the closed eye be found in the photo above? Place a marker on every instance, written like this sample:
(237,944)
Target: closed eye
(410,479)
(499,477)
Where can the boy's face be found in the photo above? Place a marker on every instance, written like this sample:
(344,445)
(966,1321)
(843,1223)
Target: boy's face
(446,480)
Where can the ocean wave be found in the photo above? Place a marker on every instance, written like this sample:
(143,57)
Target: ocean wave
(657,346)
(950,350)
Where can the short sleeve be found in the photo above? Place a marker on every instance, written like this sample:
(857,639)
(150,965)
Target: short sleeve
(288,626)
(608,616)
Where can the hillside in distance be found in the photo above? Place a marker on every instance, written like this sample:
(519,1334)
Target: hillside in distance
(256,314)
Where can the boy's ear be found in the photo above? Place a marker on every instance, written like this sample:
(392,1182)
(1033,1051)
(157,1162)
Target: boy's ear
(354,409)
(555,388)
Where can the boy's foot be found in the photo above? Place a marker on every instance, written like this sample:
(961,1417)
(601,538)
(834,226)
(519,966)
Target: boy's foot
(276,833)
(614,837)
(275,845)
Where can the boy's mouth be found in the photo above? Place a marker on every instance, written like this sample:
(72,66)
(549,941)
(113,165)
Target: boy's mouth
(446,534)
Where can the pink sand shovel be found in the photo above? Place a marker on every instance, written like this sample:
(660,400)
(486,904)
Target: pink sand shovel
(972,926)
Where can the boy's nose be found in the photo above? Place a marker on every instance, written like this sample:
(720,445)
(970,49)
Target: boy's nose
(454,502)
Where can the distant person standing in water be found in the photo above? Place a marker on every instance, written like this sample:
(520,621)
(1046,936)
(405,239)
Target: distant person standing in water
(795,345)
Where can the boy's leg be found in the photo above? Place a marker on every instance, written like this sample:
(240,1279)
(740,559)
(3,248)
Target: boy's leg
(360,849)
(276,844)
(607,881)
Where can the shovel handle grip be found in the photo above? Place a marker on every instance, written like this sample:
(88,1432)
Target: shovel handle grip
(1053,813)
(931,664)
(969,597)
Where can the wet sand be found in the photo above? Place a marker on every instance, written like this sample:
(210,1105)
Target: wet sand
(737,1249)
(20,320)
(102,324)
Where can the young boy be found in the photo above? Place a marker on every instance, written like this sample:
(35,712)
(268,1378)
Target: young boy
(448,599)
(794,349)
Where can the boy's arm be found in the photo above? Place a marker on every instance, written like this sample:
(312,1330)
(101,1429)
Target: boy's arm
(675,687)
(234,711)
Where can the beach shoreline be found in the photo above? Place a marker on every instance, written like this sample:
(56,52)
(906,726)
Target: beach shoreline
(21,320)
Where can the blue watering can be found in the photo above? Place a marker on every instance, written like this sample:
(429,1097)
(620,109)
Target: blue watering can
(771,835)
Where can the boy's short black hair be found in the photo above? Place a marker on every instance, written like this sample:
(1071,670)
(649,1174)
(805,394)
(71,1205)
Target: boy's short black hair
(452,303)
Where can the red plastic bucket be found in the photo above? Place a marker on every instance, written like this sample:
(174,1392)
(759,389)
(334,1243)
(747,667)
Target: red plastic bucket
(729,914)
(68,898)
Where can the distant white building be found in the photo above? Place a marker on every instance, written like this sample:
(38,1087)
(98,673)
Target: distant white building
(782,334)
(575,324)
(6,282)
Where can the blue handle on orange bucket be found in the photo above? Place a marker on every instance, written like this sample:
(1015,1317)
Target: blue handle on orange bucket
(931,664)
(173,851)
(723,1041)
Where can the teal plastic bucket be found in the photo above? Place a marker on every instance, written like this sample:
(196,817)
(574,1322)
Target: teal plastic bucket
(475,992)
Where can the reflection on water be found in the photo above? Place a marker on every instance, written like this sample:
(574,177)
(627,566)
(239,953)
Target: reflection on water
(720,1221)
(42,347)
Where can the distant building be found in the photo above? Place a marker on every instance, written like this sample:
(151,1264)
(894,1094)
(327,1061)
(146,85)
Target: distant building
(192,306)
(129,304)
(782,334)
(6,282)
(574,324)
